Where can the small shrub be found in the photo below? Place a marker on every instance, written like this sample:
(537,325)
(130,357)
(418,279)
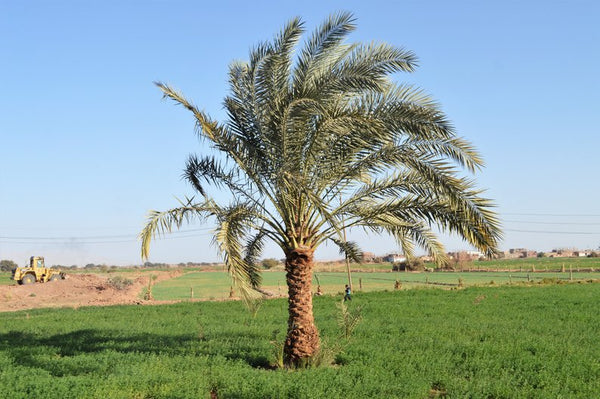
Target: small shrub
(550,281)
(270,263)
(148,293)
(347,319)
(438,390)
(326,355)
(201,335)
(413,265)
(277,351)
(119,283)
(7,265)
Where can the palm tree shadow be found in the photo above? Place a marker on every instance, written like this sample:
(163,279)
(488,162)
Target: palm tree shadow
(25,348)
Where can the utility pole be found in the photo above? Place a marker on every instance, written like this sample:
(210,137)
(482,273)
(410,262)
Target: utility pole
(345,255)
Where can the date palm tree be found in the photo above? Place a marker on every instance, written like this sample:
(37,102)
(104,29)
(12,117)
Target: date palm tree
(319,138)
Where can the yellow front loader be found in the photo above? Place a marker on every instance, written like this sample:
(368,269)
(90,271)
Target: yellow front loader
(36,272)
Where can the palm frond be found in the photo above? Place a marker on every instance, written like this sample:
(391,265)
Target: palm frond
(254,248)
(205,124)
(315,124)
(233,224)
(349,249)
(326,37)
(159,223)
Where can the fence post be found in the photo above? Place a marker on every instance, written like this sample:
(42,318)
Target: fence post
(360,283)
(191,292)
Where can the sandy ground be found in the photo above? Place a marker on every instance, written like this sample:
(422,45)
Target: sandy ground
(78,290)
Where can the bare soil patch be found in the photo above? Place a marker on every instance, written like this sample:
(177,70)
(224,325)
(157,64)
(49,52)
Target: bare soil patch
(79,290)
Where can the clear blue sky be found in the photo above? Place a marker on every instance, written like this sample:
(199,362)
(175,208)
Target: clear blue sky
(88,146)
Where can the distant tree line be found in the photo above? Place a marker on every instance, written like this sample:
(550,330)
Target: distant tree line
(270,263)
(7,265)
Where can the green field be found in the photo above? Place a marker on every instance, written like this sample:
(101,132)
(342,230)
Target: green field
(539,264)
(480,342)
(5,278)
(525,264)
(216,285)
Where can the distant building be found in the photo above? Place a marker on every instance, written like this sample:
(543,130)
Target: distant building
(563,253)
(465,256)
(516,253)
(569,253)
(367,257)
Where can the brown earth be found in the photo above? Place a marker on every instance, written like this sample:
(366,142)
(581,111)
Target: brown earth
(79,290)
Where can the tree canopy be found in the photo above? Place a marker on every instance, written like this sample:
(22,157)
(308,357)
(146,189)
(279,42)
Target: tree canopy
(320,138)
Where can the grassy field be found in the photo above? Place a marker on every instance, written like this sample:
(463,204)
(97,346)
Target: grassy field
(537,264)
(499,342)
(216,285)
(526,264)
(5,278)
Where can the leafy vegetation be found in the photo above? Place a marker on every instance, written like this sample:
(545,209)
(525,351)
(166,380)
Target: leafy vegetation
(270,263)
(119,282)
(7,265)
(478,342)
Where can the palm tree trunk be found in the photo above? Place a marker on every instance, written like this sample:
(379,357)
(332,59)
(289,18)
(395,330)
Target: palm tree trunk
(302,340)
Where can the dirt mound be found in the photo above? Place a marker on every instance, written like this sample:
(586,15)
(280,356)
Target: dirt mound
(77,290)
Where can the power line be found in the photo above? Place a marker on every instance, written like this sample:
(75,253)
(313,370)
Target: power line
(551,214)
(75,241)
(94,242)
(558,223)
(72,238)
(552,232)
